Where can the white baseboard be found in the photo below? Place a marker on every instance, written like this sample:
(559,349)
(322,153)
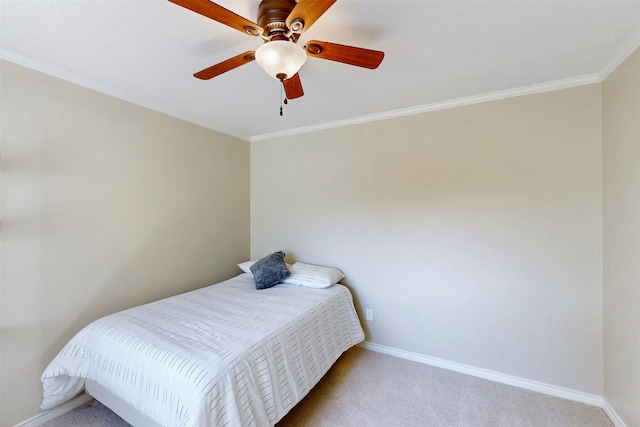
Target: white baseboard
(46,416)
(613,415)
(548,389)
(551,390)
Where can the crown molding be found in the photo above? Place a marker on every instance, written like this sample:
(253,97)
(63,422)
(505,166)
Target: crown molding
(47,68)
(630,46)
(477,99)
(625,51)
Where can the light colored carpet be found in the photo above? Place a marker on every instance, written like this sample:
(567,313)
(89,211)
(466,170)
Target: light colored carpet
(365,388)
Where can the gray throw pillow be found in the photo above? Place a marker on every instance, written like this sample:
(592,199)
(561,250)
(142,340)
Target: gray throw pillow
(270,270)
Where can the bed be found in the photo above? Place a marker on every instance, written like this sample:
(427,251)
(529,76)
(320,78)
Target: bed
(227,354)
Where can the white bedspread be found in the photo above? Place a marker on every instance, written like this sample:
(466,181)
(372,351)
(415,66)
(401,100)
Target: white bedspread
(227,354)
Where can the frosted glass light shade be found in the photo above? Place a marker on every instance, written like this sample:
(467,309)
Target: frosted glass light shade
(280,57)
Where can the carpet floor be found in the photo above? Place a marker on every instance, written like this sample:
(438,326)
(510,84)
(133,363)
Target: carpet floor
(366,388)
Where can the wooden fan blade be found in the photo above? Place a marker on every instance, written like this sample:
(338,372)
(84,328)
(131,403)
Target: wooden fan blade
(222,15)
(305,13)
(293,87)
(351,55)
(224,66)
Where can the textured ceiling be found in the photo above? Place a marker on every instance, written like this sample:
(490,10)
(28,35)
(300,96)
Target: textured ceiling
(437,53)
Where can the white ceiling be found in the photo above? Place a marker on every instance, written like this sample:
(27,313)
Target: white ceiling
(438,53)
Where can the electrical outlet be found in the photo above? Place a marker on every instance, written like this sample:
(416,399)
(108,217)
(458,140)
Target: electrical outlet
(369,314)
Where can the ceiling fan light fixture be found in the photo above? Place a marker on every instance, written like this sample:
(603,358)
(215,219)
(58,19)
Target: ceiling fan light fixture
(280,58)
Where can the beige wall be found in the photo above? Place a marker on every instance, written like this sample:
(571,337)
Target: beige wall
(105,205)
(621,154)
(473,233)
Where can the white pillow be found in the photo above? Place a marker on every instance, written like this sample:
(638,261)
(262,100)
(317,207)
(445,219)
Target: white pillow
(313,276)
(246,266)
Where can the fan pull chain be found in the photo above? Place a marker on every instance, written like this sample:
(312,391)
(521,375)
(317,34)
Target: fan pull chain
(282,96)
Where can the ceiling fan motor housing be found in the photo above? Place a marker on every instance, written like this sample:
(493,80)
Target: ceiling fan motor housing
(272,15)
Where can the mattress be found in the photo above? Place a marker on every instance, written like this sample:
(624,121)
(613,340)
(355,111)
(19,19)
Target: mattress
(226,354)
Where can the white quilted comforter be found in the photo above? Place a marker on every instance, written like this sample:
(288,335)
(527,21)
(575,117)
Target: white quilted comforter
(227,354)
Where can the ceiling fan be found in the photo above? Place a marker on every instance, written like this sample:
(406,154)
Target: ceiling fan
(280,23)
